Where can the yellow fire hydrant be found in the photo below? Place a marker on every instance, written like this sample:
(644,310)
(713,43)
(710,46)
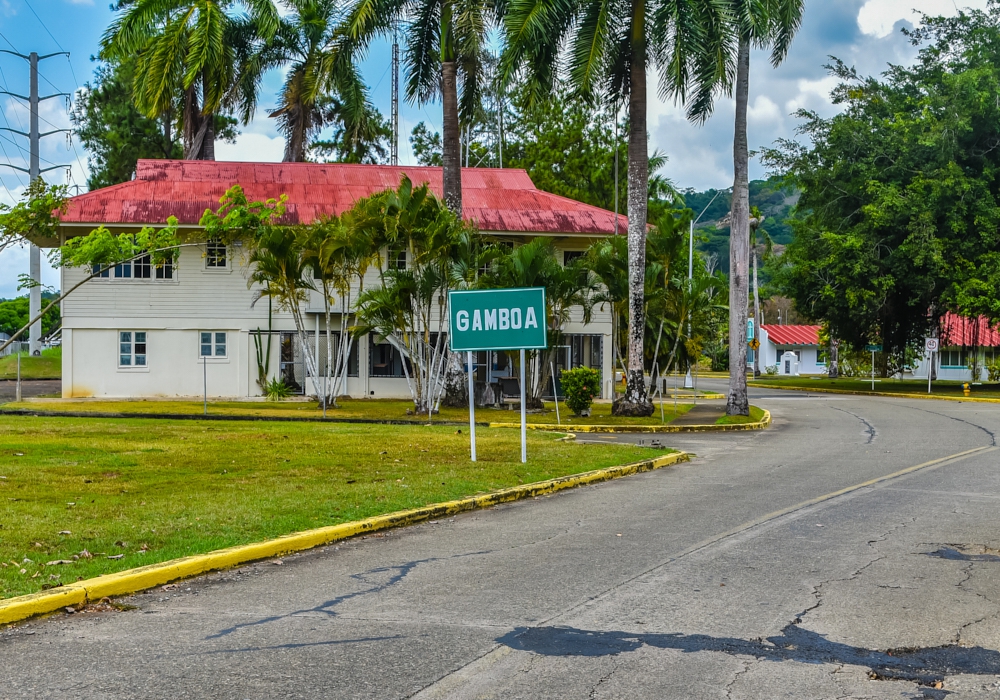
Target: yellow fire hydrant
(966,389)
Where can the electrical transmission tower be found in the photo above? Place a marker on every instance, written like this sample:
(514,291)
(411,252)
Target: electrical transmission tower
(34,171)
(395,97)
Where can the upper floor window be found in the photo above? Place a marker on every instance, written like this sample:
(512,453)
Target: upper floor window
(139,269)
(397,259)
(570,255)
(215,255)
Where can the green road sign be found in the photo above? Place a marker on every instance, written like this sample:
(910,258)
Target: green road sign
(497,319)
(873,348)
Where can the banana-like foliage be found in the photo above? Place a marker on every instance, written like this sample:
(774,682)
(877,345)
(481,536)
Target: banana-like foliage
(187,48)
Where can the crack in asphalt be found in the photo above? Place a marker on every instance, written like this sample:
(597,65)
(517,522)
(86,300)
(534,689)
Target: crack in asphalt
(399,572)
(870,429)
(993,437)
(747,665)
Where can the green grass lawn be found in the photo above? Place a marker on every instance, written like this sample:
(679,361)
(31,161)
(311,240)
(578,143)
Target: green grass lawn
(894,386)
(48,366)
(756,414)
(157,490)
(377,409)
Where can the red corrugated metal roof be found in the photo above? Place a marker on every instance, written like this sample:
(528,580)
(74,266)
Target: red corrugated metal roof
(793,335)
(969,332)
(497,200)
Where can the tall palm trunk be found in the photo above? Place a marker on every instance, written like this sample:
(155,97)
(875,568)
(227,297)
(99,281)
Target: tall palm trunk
(199,129)
(756,313)
(451,147)
(738,403)
(634,402)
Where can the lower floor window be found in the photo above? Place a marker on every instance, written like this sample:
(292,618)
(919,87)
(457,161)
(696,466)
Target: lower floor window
(953,357)
(132,348)
(213,344)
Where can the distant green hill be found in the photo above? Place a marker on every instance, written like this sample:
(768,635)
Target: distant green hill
(773,199)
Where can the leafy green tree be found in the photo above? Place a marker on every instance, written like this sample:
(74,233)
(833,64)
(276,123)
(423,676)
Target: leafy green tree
(426,145)
(900,207)
(14,314)
(369,143)
(610,47)
(187,46)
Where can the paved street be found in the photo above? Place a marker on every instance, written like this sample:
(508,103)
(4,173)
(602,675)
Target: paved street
(778,564)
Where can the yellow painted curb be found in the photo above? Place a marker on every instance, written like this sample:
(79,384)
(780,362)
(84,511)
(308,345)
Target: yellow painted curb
(895,395)
(143,577)
(711,428)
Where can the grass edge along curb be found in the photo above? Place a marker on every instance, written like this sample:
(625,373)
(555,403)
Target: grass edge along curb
(709,428)
(889,394)
(144,577)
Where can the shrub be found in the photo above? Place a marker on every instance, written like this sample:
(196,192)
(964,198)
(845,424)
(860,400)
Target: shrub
(993,370)
(580,386)
(277,390)
(771,370)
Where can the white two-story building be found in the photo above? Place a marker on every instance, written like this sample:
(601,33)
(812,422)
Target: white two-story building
(142,331)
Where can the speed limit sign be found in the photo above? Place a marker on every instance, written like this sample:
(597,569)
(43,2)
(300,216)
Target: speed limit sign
(931,344)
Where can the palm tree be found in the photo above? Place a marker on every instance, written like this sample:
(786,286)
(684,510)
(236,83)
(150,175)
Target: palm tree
(754,24)
(445,52)
(322,84)
(610,46)
(188,47)
(756,220)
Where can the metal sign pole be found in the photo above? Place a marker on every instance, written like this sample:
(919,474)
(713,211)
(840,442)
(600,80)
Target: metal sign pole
(472,409)
(873,370)
(930,372)
(18,397)
(555,394)
(524,429)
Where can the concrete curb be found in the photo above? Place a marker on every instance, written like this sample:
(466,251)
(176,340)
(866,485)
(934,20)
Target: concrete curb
(221,417)
(895,395)
(712,428)
(143,577)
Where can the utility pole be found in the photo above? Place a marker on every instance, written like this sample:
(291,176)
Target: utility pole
(688,383)
(395,97)
(34,171)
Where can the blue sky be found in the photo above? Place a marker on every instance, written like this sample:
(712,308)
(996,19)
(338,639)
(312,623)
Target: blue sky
(864,33)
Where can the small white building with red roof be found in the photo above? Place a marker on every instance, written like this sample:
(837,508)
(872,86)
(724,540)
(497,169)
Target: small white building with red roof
(803,341)
(142,331)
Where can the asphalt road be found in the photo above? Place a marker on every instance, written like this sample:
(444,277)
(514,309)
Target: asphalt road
(850,551)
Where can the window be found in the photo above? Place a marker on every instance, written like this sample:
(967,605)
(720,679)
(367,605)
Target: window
(213,344)
(386,361)
(140,269)
(953,357)
(215,255)
(396,259)
(570,255)
(132,348)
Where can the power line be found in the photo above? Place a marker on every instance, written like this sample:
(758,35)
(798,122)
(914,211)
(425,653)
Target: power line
(58,45)
(8,42)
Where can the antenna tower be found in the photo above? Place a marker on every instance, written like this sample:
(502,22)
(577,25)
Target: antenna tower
(395,97)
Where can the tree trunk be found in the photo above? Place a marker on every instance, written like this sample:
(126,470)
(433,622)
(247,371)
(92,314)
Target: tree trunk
(634,403)
(738,403)
(451,148)
(192,123)
(756,314)
(833,366)
(295,137)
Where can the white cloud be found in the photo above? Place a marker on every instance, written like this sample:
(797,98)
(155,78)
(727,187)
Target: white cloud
(878,17)
(80,2)
(6,9)
(252,147)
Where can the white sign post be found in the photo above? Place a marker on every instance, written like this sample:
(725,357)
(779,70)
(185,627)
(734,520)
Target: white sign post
(931,346)
(497,319)
(472,406)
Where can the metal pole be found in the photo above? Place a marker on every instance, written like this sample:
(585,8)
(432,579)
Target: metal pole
(873,370)
(34,254)
(472,409)
(555,394)
(17,397)
(204,378)
(524,429)
(394,157)
(930,372)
